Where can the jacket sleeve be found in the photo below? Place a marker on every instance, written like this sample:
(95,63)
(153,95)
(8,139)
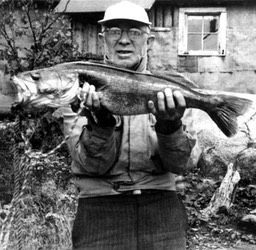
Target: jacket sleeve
(175,149)
(92,148)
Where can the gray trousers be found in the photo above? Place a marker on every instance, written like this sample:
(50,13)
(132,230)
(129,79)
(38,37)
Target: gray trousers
(151,220)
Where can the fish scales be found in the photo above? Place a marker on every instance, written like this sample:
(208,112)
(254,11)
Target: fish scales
(123,92)
(130,84)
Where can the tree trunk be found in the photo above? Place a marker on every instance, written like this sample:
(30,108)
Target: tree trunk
(223,196)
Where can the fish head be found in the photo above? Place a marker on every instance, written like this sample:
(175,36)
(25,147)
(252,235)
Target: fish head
(47,87)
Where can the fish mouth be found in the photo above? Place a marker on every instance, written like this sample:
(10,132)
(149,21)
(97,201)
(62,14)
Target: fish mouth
(19,84)
(20,88)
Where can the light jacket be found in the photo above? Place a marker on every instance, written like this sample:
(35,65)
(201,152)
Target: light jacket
(128,156)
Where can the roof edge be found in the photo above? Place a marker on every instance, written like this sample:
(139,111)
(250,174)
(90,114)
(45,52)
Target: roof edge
(86,6)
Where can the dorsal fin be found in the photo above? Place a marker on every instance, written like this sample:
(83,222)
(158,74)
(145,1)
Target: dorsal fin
(173,76)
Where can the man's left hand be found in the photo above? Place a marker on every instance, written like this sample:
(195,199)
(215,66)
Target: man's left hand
(170,105)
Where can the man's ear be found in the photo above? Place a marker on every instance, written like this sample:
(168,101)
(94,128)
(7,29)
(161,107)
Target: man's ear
(101,39)
(150,41)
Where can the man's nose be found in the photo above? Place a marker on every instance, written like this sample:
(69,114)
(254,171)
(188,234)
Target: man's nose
(124,39)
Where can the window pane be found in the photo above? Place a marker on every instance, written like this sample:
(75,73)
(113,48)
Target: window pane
(195,23)
(211,24)
(194,42)
(210,41)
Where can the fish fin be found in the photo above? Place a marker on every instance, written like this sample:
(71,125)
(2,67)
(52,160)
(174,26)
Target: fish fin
(225,115)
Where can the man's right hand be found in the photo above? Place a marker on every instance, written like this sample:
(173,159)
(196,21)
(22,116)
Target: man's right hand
(89,97)
(91,100)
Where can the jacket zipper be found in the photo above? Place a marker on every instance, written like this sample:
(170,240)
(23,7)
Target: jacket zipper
(129,149)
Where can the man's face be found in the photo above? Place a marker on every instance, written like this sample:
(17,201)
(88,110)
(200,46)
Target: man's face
(126,42)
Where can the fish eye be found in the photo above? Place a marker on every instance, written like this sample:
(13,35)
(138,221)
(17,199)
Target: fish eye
(35,76)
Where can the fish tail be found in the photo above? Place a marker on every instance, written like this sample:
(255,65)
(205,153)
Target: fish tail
(226,113)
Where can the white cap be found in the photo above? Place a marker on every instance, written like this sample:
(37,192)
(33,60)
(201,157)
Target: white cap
(126,10)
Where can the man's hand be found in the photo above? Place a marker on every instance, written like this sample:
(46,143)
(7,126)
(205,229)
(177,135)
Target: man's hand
(89,97)
(91,100)
(168,111)
(170,105)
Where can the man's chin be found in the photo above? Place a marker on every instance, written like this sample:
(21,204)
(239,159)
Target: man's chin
(127,64)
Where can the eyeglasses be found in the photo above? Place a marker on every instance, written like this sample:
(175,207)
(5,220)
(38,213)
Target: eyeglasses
(116,33)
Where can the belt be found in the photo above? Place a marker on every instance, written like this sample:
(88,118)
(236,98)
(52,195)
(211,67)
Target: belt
(143,191)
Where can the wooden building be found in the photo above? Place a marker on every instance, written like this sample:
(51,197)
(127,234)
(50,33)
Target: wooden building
(212,41)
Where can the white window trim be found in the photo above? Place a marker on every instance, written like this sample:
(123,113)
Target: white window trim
(182,47)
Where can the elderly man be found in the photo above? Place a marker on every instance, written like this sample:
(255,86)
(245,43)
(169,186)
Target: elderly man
(125,166)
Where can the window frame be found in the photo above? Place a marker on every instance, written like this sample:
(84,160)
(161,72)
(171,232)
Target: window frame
(183,31)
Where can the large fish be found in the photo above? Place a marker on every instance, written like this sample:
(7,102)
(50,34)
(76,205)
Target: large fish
(123,92)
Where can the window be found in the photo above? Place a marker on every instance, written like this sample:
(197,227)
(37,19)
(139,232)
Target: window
(202,31)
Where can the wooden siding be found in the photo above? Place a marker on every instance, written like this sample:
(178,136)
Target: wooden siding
(161,15)
(85,35)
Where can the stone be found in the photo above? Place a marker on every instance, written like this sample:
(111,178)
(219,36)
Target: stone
(246,164)
(248,222)
(211,164)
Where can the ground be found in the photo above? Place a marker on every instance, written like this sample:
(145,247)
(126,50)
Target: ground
(225,230)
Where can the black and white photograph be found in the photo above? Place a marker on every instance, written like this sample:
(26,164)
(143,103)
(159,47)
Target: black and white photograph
(127,124)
